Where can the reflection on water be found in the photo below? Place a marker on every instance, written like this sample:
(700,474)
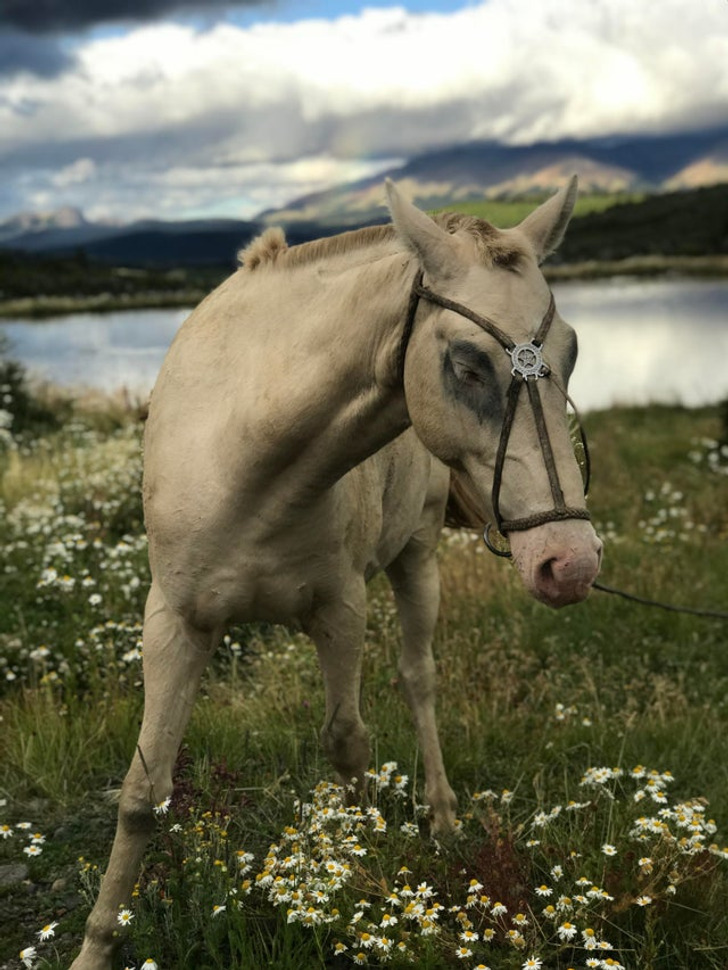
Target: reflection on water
(98,350)
(640,341)
(646,341)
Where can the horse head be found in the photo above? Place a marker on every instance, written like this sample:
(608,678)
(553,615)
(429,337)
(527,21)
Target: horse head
(486,369)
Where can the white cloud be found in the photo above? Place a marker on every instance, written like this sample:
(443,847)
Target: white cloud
(181,112)
(77,173)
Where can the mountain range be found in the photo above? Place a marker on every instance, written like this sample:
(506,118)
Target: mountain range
(462,173)
(480,170)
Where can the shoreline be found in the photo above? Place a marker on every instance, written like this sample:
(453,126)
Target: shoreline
(653,266)
(714,266)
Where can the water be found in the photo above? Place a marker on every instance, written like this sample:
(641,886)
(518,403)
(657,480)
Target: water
(97,350)
(640,341)
(643,341)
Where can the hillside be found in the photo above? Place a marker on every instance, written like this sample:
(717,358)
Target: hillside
(156,268)
(478,170)
(459,176)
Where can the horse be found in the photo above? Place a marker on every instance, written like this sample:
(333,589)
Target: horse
(316,419)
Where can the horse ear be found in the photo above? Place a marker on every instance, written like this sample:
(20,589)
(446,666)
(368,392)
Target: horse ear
(546,226)
(437,250)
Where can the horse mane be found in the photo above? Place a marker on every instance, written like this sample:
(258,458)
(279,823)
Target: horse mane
(494,247)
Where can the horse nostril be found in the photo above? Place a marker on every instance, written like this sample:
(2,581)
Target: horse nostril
(546,573)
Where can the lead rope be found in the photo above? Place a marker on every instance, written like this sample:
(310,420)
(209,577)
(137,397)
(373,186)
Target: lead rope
(643,601)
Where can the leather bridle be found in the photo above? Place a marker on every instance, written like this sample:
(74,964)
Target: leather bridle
(527,368)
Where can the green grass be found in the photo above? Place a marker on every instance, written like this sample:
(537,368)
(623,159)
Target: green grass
(505,213)
(529,700)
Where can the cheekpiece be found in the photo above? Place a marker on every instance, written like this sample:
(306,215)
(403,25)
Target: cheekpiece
(527,360)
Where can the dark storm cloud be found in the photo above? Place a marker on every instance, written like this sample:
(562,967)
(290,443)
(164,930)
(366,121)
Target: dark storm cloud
(42,56)
(67,16)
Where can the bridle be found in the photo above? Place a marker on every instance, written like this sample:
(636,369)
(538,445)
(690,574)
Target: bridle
(527,367)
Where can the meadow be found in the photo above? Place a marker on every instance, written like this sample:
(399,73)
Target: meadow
(588,747)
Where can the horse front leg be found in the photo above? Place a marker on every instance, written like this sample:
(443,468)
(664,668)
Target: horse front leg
(174,657)
(338,629)
(415,580)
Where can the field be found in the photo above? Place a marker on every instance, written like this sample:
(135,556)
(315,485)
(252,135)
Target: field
(509,212)
(588,748)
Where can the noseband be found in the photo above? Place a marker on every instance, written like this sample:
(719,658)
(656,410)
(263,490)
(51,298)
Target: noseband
(527,366)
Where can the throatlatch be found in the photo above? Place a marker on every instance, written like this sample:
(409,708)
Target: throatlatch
(527,368)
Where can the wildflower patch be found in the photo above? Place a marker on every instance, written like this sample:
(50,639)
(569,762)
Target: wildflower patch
(370,892)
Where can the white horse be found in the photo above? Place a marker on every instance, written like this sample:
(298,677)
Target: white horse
(301,437)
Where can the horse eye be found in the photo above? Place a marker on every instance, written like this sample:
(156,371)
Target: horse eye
(470,365)
(467,376)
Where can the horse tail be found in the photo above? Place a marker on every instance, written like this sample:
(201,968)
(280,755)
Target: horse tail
(463,509)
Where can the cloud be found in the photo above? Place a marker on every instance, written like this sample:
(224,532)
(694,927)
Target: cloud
(62,16)
(19,52)
(170,118)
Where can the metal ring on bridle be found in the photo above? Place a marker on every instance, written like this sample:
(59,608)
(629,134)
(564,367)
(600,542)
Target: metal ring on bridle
(504,551)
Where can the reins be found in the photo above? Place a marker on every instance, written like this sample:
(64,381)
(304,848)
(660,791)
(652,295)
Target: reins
(528,367)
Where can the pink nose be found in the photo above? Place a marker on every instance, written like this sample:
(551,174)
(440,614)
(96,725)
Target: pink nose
(567,578)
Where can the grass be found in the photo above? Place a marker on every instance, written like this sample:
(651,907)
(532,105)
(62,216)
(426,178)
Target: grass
(509,212)
(530,700)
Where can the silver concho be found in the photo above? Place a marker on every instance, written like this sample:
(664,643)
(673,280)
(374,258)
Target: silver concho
(527,361)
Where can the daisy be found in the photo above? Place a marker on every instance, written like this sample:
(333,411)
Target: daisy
(124,917)
(567,931)
(149,964)
(533,963)
(608,849)
(28,955)
(48,931)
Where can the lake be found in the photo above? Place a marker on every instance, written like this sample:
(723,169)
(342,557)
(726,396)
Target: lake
(641,341)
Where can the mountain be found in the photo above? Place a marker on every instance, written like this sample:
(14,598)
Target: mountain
(28,223)
(650,164)
(491,170)
(149,241)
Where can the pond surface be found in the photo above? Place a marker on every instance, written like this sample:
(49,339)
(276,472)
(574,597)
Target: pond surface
(640,341)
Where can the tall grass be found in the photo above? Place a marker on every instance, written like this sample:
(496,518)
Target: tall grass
(530,701)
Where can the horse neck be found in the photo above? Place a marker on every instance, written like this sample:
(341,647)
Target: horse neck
(342,397)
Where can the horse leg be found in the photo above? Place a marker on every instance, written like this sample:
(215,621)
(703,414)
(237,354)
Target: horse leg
(174,657)
(415,580)
(338,630)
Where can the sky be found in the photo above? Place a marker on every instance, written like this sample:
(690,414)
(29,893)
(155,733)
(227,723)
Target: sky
(175,109)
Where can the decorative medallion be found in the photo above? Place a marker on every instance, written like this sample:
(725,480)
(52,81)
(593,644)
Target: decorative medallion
(528,361)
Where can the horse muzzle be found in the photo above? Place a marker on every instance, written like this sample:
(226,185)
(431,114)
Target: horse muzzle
(557,561)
